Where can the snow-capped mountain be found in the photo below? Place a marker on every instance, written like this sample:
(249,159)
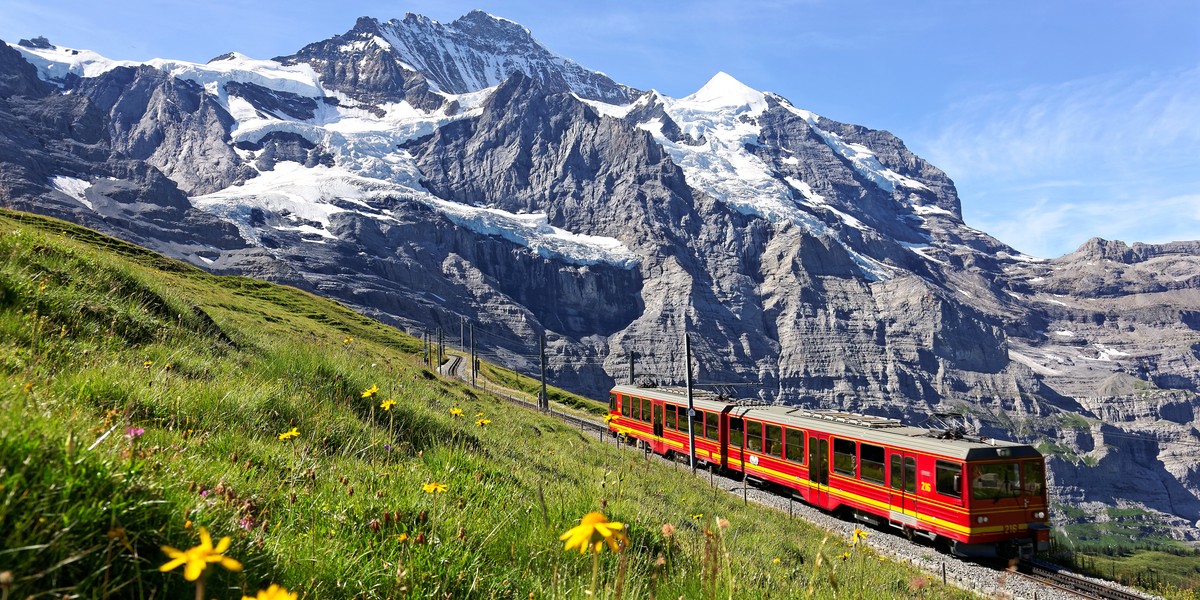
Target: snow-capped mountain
(425,172)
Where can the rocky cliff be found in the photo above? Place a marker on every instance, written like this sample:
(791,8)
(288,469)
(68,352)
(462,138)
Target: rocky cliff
(432,174)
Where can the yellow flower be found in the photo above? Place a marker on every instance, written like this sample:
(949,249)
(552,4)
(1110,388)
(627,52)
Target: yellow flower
(844,556)
(594,531)
(858,536)
(482,422)
(148,364)
(347,340)
(402,538)
(275,592)
(456,412)
(478,414)
(776,561)
(287,435)
(434,487)
(371,391)
(387,404)
(698,516)
(197,558)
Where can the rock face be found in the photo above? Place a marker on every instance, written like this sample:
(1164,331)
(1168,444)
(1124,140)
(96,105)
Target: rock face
(434,174)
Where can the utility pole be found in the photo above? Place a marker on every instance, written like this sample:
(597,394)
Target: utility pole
(687,374)
(544,401)
(473,359)
(631,353)
(425,347)
(441,347)
(462,333)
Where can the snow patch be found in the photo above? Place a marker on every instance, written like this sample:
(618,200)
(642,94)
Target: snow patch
(1107,354)
(72,187)
(1032,364)
(315,195)
(1064,333)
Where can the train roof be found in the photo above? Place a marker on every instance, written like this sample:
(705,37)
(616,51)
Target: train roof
(880,430)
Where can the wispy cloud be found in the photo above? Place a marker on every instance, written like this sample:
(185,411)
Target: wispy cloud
(1044,168)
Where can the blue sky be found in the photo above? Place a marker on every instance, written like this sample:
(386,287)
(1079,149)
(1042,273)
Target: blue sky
(1058,120)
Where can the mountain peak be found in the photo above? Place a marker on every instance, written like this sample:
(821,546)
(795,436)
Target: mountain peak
(723,90)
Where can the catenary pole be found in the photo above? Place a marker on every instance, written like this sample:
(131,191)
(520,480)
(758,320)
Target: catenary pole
(544,401)
(687,374)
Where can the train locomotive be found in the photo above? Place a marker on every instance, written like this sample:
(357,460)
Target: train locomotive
(980,497)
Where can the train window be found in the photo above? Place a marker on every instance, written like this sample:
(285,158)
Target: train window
(712,426)
(794,447)
(845,457)
(736,435)
(626,402)
(910,474)
(997,480)
(949,479)
(754,436)
(1035,478)
(612,401)
(774,442)
(671,422)
(872,463)
(646,404)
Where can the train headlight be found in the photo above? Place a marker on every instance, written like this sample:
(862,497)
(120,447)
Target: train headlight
(1039,515)
(981,519)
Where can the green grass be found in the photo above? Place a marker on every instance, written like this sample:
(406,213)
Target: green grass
(531,387)
(98,336)
(1132,546)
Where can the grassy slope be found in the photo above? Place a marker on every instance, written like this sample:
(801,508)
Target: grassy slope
(97,336)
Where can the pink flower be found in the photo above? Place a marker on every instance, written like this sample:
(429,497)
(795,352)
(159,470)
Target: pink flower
(134,433)
(247,522)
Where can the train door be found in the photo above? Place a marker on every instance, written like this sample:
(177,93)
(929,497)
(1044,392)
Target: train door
(902,485)
(818,469)
(659,445)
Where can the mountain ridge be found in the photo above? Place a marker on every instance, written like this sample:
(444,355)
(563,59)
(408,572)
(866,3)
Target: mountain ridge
(824,262)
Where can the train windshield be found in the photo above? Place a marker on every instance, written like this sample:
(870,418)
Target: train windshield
(1035,478)
(995,481)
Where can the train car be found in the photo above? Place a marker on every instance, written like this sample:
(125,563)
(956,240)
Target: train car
(982,497)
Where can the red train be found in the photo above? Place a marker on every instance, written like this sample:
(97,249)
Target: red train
(982,497)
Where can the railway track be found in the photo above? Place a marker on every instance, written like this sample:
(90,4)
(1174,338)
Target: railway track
(1051,574)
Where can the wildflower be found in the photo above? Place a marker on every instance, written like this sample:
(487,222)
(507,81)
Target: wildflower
(478,414)
(197,559)
(456,412)
(134,433)
(483,422)
(187,524)
(287,435)
(668,530)
(858,536)
(148,364)
(698,516)
(203,493)
(371,391)
(28,387)
(275,592)
(844,556)
(434,487)
(387,404)
(593,531)
(402,538)
(722,523)
(347,340)
(776,561)
(247,522)
(387,447)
